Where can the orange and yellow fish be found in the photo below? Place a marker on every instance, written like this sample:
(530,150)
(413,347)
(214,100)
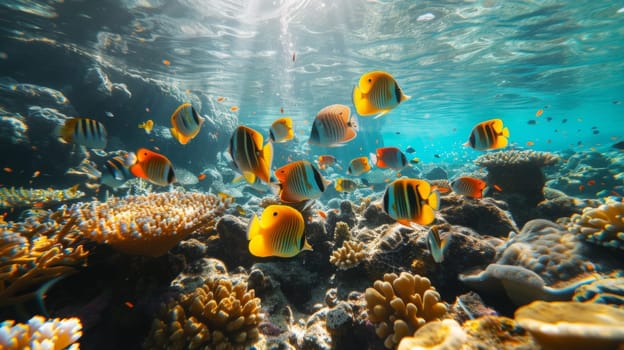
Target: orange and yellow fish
(389,157)
(539,112)
(377,93)
(488,135)
(250,157)
(278,233)
(154,167)
(83,131)
(234,108)
(333,126)
(345,185)
(359,166)
(469,186)
(147,125)
(325,161)
(282,130)
(186,123)
(300,181)
(411,201)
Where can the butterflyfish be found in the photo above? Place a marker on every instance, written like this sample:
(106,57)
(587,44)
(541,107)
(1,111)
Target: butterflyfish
(469,186)
(300,181)
(153,167)
(333,126)
(389,157)
(359,166)
(83,131)
(488,135)
(345,185)
(282,130)
(147,125)
(377,93)
(411,201)
(436,245)
(325,161)
(116,172)
(248,154)
(186,123)
(278,233)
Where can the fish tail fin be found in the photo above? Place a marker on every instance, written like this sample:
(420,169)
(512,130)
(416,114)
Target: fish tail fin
(306,246)
(434,199)
(404,98)
(253,229)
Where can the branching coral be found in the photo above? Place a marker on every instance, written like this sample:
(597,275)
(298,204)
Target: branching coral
(350,255)
(399,305)
(40,333)
(29,259)
(146,225)
(217,315)
(25,197)
(603,225)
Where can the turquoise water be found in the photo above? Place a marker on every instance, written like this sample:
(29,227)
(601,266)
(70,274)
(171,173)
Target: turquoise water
(462,62)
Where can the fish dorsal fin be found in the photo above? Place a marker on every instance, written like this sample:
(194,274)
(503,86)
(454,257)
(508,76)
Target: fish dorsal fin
(497,125)
(257,138)
(424,189)
(249,176)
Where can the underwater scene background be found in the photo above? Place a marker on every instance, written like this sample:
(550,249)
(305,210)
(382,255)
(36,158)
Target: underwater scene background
(218,174)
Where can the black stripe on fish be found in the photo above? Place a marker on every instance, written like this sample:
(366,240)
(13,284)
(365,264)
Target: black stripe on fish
(414,201)
(397,92)
(318,179)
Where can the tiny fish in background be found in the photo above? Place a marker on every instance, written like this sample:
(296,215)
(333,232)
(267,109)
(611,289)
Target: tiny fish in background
(410,149)
(234,108)
(282,130)
(539,112)
(278,233)
(325,161)
(154,167)
(377,93)
(488,135)
(147,125)
(411,201)
(345,185)
(83,131)
(186,123)
(359,166)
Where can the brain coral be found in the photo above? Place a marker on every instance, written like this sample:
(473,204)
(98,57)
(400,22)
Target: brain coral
(40,333)
(146,225)
(217,315)
(603,225)
(350,255)
(399,305)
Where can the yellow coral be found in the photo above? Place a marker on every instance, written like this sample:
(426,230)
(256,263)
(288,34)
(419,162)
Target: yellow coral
(146,225)
(12,197)
(603,225)
(40,333)
(350,255)
(399,305)
(217,315)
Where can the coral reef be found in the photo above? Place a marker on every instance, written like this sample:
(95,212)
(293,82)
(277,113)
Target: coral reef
(608,291)
(399,305)
(40,333)
(436,335)
(486,216)
(146,225)
(350,255)
(603,225)
(217,315)
(573,325)
(497,332)
(543,261)
(520,177)
(12,197)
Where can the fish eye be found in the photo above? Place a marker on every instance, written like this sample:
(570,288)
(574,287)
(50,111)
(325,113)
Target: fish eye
(144,153)
(274,213)
(370,80)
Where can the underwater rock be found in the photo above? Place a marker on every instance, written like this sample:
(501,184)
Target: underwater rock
(486,216)
(231,246)
(439,335)
(497,332)
(374,216)
(520,176)
(585,174)
(542,262)
(558,205)
(470,306)
(13,128)
(295,281)
(346,214)
(436,173)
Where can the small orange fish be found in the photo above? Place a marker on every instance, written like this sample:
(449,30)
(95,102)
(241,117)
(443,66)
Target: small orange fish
(38,205)
(581,188)
(36,173)
(498,188)
(8,170)
(322,214)
(234,108)
(398,175)
(530,143)
(129,305)
(539,112)
(591,182)
(325,161)
(220,99)
(201,177)
(166,62)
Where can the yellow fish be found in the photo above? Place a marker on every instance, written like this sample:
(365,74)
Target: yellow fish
(345,185)
(411,201)
(282,130)
(488,135)
(250,156)
(154,167)
(359,166)
(186,123)
(147,125)
(278,233)
(377,93)
(83,131)
(300,181)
